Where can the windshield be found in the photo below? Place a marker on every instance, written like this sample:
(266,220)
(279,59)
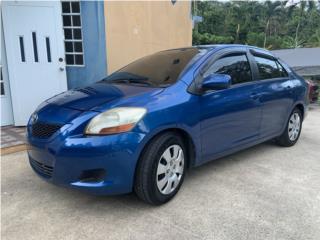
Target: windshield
(160,69)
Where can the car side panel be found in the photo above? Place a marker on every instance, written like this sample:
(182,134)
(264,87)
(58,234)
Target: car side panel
(229,118)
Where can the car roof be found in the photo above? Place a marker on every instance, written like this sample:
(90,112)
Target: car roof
(215,46)
(212,47)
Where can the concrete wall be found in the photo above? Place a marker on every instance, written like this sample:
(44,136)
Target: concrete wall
(136,29)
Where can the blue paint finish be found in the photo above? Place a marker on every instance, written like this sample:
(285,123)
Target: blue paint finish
(94,44)
(276,98)
(238,121)
(218,122)
(96,95)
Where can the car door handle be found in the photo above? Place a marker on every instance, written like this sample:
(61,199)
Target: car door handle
(254,95)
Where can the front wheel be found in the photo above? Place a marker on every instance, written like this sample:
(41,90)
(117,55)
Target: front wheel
(161,169)
(292,131)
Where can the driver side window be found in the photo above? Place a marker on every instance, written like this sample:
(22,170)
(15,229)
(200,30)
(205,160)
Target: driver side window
(235,65)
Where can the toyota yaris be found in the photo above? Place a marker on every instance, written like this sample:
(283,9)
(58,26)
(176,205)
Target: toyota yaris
(140,128)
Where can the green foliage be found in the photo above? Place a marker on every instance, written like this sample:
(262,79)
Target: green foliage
(314,39)
(207,38)
(255,39)
(267,24)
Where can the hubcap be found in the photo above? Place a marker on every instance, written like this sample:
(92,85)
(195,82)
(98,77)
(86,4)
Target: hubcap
(170,169)
(294,126)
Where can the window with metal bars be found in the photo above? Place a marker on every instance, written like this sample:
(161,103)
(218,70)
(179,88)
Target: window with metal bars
(71,15)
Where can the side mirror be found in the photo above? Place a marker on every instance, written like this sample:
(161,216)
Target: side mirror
(216,81)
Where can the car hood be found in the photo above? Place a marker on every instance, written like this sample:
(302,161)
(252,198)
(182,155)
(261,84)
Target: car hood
(97,94)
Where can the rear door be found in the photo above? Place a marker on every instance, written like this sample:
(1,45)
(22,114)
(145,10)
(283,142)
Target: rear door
(276,96)
(229,117)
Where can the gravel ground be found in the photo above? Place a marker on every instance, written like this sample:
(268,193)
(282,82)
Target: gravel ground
(265,192)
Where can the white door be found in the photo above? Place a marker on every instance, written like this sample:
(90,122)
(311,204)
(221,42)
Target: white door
(6,107)
(35,54)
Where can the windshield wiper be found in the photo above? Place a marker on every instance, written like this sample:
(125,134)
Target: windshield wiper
(128,78)
(125,75)
(132,80)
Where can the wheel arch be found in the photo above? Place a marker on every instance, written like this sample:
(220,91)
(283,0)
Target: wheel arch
(186,138)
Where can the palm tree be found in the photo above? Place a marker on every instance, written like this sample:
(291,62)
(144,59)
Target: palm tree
(304,6)
(273,11)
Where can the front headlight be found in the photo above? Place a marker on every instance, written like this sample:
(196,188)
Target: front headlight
(116,120)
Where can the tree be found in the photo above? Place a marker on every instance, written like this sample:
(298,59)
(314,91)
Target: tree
(269,24)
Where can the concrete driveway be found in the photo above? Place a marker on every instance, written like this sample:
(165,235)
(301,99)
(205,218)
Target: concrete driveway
(266,192)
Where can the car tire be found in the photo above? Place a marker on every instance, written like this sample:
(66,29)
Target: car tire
(291,133)
(161,169)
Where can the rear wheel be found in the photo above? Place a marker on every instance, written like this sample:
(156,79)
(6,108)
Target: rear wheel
(161,169)
(292,131)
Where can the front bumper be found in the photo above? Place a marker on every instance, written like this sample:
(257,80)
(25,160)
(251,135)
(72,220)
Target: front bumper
(65,160)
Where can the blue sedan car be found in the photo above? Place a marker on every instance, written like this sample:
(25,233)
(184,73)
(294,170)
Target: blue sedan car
(143,126)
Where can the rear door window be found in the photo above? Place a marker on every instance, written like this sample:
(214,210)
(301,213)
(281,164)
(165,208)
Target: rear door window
(269,68)
(235,65)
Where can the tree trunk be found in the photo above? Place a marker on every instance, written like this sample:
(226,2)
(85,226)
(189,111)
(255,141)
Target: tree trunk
(297,33)
(237,33)
(265,34)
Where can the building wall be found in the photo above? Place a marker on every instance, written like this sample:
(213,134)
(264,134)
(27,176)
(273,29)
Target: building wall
(138,28)
(299,57)
(94,69)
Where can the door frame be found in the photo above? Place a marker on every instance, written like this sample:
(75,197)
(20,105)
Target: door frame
(11,69)
(6,104)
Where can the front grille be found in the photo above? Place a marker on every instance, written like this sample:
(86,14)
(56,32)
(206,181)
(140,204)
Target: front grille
(42,169)
(44,130)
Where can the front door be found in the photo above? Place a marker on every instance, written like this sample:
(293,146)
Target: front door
(230,118)
(35,54)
